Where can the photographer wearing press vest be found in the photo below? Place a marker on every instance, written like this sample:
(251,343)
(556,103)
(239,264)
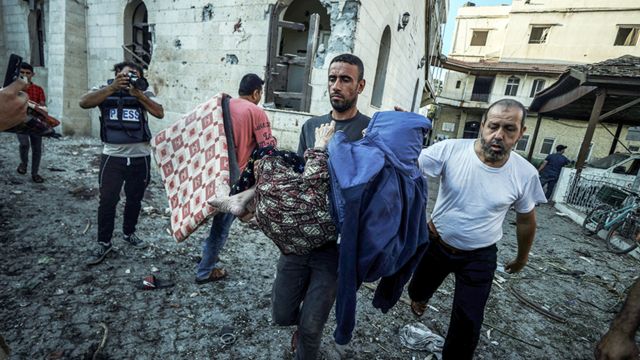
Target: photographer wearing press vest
(124,103)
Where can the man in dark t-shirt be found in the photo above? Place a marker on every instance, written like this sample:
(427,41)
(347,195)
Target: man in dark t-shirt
(305,286)
(550,169)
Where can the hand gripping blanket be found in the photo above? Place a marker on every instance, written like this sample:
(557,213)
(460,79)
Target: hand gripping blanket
(196,157)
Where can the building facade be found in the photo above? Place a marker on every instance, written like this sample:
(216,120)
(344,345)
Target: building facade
(193,50)
(516,51)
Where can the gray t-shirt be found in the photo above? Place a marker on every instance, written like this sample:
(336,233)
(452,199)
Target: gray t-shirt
(129,150)
(351,127)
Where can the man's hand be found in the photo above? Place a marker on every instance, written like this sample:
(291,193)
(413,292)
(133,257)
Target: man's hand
(324,133)
(13,104)
(515,266)
(120,82)
(615,345)
(525,232)
(133,91)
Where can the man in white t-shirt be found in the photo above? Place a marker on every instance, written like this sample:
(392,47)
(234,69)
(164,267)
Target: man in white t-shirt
(480,179)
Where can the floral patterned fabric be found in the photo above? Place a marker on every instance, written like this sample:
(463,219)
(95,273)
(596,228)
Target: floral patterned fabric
(292,209)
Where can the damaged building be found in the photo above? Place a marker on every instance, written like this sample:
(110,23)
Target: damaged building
(519,50)
(192,50)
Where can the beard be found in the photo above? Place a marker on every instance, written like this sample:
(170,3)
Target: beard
(342,105)
(492,155)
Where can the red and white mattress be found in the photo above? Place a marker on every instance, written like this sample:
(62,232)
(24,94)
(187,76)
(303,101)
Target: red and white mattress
(193,158)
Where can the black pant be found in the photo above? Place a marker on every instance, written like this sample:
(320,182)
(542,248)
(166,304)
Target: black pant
(36,151)
(474,275)
(114,171)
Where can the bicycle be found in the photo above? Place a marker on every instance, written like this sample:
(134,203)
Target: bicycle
(622,225)
(609,199)
(624,234)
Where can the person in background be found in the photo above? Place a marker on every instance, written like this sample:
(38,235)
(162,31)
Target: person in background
(251,129)
(550,169)
(124,103)
(36,95)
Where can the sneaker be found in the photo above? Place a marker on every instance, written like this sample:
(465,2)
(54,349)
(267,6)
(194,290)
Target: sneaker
(134,240)
(99,254)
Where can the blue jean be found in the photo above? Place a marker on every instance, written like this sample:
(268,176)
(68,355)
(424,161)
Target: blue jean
(214,243)
(303,294)
(474,275)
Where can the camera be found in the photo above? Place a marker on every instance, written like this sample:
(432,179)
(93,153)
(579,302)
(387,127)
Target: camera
(137,82)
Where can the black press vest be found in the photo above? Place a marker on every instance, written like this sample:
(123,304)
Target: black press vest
(123,120)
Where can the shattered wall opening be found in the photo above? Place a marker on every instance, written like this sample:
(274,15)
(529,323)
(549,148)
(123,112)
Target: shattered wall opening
(36,34)
(138,46)
(381,68)
(297,29)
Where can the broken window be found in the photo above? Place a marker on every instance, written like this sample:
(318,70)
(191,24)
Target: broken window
(479,37)
(538,84)
(482,88)
(138,45)
(512,86)
(539,34)
(297,31)
(522,144)
(547,146)
(36,33)
(381,68)
(627,36)
(415,95)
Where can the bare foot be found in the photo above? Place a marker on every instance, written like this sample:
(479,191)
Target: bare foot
(235,204)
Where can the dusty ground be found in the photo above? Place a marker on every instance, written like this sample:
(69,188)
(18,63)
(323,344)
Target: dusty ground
(52,306)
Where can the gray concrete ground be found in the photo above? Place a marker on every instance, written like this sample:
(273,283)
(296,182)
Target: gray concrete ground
(53,307)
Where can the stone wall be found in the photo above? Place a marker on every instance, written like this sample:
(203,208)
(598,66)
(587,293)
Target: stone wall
(202,47)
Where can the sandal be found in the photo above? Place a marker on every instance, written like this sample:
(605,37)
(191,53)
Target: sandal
(22,169)
(214,275)
(418,308)
(37,179)
(151,283)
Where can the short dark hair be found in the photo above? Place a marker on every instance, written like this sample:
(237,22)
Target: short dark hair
(249,84)
(350,59)
(119,66)
(508,103)
(26,66)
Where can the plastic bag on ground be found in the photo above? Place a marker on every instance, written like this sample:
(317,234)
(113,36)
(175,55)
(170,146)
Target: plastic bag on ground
(418,336)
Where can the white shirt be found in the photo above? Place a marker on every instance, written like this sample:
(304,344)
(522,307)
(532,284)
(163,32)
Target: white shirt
(474,198)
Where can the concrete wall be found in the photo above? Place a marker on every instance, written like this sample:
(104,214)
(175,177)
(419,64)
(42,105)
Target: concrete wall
(15,31)
(493,19)
(407,48)
(452,95)
(571,23)
(195,45)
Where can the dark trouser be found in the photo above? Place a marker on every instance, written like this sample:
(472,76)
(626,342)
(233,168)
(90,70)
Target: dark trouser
(114,171)
(474,274)
(303,295)
(551,184)
(36,151)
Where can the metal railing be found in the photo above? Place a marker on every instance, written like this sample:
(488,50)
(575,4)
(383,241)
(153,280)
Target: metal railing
(588,191)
